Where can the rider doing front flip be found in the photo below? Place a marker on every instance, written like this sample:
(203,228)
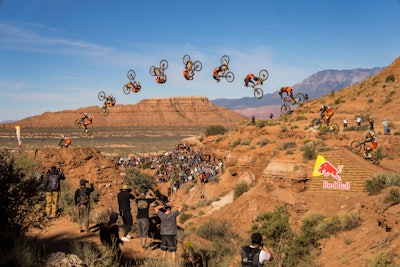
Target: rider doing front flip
(220,71)
(326,114)
(289,92)
(251,78)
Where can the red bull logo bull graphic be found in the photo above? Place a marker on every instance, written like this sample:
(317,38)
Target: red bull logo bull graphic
(327,169)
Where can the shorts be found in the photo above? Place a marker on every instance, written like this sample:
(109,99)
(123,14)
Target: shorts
(143,227)
(168,242)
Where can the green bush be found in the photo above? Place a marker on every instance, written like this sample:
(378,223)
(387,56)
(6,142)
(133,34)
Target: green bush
(138,180)
(263,142)
(381,259)
(381,180)
(184,217)
(216,230)
(350,221)
(236,143)
(215,130)
(239,189)
(392,197)
(390,78)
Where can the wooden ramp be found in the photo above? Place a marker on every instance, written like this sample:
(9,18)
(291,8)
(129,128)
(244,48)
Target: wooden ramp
(355,171)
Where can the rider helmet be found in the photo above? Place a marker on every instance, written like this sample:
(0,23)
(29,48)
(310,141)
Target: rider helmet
(372,134)
(323,107)
(85,114)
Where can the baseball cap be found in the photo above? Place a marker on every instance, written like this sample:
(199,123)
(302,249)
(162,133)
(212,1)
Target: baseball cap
(83,182)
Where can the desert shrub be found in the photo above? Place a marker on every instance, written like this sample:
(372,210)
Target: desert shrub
(301,117)
(311,149)
(387,99)
(350,221)
(216,230)
(381,259)
(361,128)
(396,133)
(215,130)
(184,217)
(338,100)
(263,142)
(380,180)
(390,78)
(392,197)
(331,225)
(239,189)
(16,250)
(288,145)
(245,143)
(138,180)
(261,123)
(236,143)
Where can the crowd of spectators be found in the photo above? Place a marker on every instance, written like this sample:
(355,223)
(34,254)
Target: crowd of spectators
(177,166)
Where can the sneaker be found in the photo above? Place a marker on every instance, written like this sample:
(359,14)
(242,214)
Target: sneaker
(125,239)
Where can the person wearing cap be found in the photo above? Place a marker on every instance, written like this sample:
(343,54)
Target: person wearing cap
(124,205)
(142,218)
(256,253)
(169,228)
(82,201)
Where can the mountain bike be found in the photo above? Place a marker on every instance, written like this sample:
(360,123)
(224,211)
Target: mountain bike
(163,66)
(108,103)
(359,147)
(333,127)
(287,102)
(197,66)
(132,86)
(263,76)
(80,123)
(228,75)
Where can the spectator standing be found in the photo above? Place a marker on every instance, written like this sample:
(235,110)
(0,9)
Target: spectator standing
(169,228)
(345,122)
(371,124)
(52,187)
(271,116)
(256,253)
(142,217)
(358,121)
(124,205)
(386,126)
(82,201)
(253,120)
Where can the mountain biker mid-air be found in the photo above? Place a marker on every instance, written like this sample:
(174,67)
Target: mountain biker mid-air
(160,76)
(188,71)
(370,137)
(289,92)
(135,86)
(326,114)
(251,78)
(109,102)
(87,120)
(219,72)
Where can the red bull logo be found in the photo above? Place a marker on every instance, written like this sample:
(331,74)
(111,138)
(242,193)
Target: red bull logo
(327,169)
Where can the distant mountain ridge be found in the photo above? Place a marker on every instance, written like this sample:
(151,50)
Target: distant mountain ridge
(316,85)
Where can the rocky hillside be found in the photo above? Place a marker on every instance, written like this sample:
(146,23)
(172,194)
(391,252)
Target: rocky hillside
(269,157)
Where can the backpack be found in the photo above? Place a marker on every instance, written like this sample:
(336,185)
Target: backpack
(83,196)
(252,256)
(54,182)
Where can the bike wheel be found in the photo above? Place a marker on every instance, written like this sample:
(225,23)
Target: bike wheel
(186,58)
(106,111)
(300,98)
(316,123)
(101,95)
(197,66)
(374,158)
(229,76)
(334,129)
(258,93)
(225,60)
(131,74)
(355,146)
(126,89)
(88,132)
(163,64)
(285,108)
(264,74)
(78,123)
(152,71)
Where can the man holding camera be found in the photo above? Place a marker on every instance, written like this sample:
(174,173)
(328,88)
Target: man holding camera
(256,253)
(169,228)
(52,187)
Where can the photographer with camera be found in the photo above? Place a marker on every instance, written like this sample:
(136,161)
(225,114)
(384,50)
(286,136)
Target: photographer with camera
(256,254)
(52,188)
(169,228)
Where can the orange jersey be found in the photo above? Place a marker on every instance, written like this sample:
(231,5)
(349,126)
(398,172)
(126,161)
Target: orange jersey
(288,90)
(249,77)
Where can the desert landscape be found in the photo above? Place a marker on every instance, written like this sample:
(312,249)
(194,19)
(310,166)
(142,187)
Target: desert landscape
(268,155)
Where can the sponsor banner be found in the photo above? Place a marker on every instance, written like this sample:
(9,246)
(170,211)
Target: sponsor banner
(324,168)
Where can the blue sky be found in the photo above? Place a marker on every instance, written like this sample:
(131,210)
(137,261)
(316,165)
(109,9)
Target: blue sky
(57,55)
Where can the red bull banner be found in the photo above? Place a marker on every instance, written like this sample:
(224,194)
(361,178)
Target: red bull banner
(324,168)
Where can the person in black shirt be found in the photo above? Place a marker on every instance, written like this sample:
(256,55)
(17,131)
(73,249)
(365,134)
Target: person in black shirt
(124,204)
(142,218)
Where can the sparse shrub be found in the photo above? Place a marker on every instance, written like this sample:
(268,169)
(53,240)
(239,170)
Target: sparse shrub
(375,82)
(239,189)
(350,221)
(219,139)
(381,259)
(245,143)
(390,78)
(235,143)
(283,128)
(392,197)
(263,142)
(216,230)
(184,217)
(370,101)
(338,101)
(261,123)
(290,152)
(381,180)
(294,127)
(301,117)
(288,145)
(388,99)
(309,151)
(396,133)
(333,93)
(138,180)
(215,130)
